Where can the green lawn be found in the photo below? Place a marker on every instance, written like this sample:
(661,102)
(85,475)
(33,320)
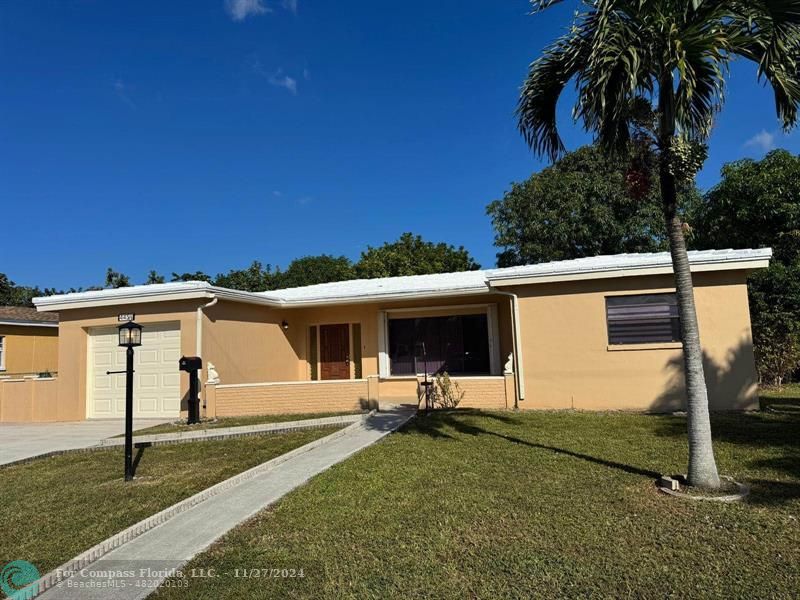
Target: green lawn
(234,422)
(543,504)
(55,508)
(784,399)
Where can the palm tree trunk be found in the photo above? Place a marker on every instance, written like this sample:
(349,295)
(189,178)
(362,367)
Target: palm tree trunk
(702,466)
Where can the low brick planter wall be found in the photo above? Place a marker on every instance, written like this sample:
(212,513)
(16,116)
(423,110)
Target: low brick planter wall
(286,397)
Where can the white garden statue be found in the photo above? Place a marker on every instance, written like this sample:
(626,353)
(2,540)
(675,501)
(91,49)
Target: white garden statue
(213,376)
(509,367)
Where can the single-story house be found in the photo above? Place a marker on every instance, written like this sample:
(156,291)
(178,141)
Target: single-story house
(28,341)
(598,333)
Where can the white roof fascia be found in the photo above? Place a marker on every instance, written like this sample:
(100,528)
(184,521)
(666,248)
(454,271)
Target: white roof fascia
(147,293)
(28,323)
(419,287)
(365,299)
(701,261)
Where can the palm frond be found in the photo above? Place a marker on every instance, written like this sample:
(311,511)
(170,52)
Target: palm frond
(701,62)
(768,33)
(538,102)
(621,50)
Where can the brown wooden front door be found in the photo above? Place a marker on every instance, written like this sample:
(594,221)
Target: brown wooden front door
(334,351)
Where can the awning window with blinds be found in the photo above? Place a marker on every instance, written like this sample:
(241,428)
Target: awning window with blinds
(643,319)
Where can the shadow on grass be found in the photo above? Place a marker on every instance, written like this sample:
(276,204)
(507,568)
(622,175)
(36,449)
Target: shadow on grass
(139,454)
(434,424)
(761,431)
(786,400)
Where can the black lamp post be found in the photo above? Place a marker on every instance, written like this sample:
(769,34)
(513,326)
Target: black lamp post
(130,336)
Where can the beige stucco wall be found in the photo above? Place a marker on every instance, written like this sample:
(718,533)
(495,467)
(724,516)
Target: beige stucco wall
(28,399)
(29,349)
(568,363)
(247,344)
(73,339)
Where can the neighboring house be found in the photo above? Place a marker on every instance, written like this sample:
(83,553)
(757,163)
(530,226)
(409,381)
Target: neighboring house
(28,341)
(594,333)
(28,363)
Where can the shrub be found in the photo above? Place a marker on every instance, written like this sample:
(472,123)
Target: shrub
(446,393)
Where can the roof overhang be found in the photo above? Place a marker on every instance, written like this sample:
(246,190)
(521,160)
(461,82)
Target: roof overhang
(388,297)
(28,323)
(166,292)
(444,286)
(756,260)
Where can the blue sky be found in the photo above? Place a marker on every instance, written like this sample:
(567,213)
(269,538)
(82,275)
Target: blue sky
(205,134)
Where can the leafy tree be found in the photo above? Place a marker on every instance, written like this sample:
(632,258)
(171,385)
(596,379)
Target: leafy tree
(775,315)
(13,295)
(411,255)
(196,276)
(582,205)
(311,270)
(256,278)
(757,204)
(154,277)
(670,57)
(115,279)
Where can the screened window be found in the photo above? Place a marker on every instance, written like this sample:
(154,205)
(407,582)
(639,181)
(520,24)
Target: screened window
(644,319)
(457,344)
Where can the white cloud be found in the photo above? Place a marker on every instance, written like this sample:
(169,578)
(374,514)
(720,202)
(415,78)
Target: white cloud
(306,74)
(277,79)
(121,90)
(763,140)
(290,5)
(280,79)
(239,10)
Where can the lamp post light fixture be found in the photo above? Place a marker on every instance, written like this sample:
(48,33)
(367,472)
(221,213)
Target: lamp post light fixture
(130,336)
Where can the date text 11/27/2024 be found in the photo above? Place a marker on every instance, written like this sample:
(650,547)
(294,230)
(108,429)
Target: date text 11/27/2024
(205,573)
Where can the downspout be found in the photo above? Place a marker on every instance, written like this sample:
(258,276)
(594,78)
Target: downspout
(519,374)
(199,339)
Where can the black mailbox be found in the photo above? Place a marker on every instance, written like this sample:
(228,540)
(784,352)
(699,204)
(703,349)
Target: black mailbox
(190,363)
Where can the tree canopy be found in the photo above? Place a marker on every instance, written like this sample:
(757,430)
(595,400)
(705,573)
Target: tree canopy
(585,204)
(255,278)
(411,255)
(310,270)
(757,204)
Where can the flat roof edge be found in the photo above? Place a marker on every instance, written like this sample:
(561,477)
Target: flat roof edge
(626,271)
(29,323)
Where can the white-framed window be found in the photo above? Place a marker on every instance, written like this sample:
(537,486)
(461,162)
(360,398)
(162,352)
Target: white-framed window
(2,353)
(412,340)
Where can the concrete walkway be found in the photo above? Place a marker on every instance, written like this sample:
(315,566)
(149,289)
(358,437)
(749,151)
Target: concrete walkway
(133,570)
(19,441)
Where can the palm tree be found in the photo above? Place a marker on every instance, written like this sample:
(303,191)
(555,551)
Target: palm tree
(674,56)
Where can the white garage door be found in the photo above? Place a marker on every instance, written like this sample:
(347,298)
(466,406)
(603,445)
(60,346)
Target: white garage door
(156,379)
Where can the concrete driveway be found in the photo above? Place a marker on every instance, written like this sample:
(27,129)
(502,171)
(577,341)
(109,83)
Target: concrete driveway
(26,440)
